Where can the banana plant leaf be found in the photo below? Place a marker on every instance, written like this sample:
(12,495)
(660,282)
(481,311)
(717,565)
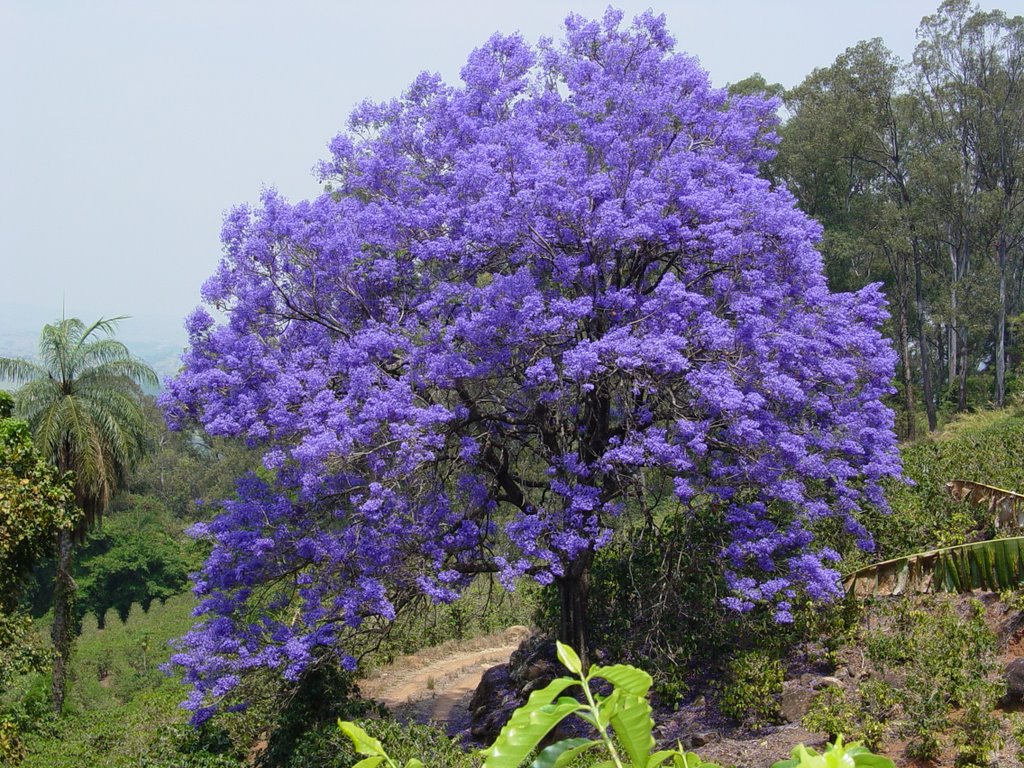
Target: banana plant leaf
(991,566)
(1006,507)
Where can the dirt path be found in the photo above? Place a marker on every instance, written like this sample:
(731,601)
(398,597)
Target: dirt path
(436,684)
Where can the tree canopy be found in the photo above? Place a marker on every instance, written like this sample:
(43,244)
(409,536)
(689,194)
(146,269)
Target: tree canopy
(35,503)
(523,307)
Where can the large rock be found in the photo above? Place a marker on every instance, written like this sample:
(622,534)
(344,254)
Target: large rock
(505,687)
(1014,675)
(795,700)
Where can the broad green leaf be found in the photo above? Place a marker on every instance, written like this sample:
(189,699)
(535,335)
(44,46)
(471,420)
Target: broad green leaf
(629,679)
(569,658)
(363,742)
(414,762)
(680,759)
(633,725)
(524,731)
(550,692)
(369,762)
(608,706)
(993,565)
(653,761)
(563,752)
(693,760)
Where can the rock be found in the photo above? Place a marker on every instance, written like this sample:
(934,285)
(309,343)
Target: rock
(517,633)
(826,682)
(1014,675)
(493,684)
(505,687)
(795,701)
(696,740)
(536,659)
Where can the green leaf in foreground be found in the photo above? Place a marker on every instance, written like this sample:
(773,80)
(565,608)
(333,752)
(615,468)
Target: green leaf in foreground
(563,752)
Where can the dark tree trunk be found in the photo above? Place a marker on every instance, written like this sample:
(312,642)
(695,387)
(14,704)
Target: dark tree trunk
(962,398)
(63,625)
(573,589)
(922,342)
(1001,332)
(908,379)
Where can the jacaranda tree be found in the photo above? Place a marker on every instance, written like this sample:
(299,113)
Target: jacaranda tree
(520,302)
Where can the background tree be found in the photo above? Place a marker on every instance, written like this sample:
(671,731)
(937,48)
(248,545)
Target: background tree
(139,555)
(971,80)
(521,303)
(845,153)
(83,404)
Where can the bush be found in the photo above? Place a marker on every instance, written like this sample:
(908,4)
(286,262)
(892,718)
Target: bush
(751,689)
(303,733)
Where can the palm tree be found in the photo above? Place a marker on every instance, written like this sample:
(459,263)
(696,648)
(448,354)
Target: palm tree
(82,400)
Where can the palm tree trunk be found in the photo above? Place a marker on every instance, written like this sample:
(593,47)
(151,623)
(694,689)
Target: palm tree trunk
(62,632)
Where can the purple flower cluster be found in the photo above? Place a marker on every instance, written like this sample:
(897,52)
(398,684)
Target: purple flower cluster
(518,301)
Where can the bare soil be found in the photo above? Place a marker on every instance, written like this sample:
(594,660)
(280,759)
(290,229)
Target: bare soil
(436,684)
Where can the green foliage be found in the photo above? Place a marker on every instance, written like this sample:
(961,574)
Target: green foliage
(185,470)
(139,555)
(12,749)
(650,588)
(984,447)
(866,718)
(836,755)
(35,502)
(6,404)
(408,744)
(301,730)
(1017,732)
(120,706)
(21,649)
(750,691)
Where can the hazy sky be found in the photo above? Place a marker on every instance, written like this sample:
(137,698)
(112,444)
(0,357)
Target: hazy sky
(129,127)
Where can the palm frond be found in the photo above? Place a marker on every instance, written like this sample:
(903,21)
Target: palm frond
(82,402)
(129,368)
(20,371)
(993,566)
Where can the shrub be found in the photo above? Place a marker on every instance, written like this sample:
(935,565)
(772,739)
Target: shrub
(751,689)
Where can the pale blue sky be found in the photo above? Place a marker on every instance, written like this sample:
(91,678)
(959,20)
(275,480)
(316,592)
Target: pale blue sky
(128,127)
